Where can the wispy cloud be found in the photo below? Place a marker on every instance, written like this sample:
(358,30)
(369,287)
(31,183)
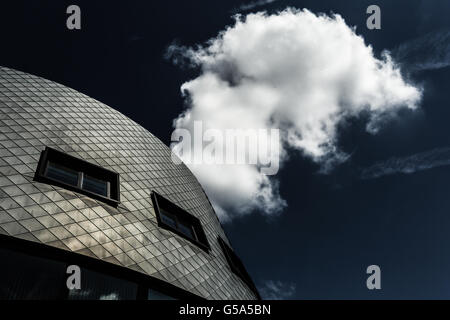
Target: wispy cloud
(254,4)
(277,290)
(407,165)
(428,52)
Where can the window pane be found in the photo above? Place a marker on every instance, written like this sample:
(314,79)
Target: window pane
(62,174)
(167,219)
(95,185)
(156,295)
(187,230)
(97,286)
(25,277)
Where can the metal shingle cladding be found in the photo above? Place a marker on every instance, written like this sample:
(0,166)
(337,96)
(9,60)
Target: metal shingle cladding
(35,113)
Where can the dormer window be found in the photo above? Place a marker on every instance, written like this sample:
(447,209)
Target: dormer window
(63,170)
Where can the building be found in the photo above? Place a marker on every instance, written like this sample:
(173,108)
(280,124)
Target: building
(83,185)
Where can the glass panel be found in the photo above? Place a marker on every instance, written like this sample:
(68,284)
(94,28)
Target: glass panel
(97,286)
(156,295)
(24,277)
(167,219)
(95,185)
(186,230)
(62,174)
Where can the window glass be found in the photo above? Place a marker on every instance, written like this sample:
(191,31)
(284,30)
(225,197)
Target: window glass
(95,185)
(97,286)
(156,295)
(62,174)
(24,277)
(186,229)
(29,277)
(167,219)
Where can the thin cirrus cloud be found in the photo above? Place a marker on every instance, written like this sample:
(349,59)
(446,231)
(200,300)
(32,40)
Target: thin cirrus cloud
(277,290)
(407,165)
(252,5)
(428,52)
(301,72)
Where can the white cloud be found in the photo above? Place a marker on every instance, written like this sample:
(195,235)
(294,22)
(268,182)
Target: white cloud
(277,290)
(409,164)
(294,70)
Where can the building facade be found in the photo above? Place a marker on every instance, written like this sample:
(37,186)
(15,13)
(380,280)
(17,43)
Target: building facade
(83,186)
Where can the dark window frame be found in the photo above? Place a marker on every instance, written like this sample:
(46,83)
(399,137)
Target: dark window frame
(236,265)
(83,168)
(162,205)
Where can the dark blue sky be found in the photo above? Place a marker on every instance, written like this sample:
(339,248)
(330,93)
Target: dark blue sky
(335,225)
